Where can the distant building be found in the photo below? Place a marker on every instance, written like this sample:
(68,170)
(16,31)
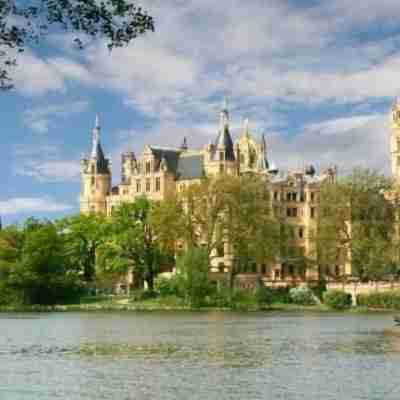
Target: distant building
(162,171)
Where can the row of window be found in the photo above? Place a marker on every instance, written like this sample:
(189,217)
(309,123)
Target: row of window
(157,186)
(295,196)
(293,212)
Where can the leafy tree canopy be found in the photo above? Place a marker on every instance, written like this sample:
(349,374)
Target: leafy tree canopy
(24,22)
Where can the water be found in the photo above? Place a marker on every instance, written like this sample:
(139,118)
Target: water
(121,356)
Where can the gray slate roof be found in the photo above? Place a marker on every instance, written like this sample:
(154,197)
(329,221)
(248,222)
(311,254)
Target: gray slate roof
(190,167)
(170,155)
(102,165)
(224,140)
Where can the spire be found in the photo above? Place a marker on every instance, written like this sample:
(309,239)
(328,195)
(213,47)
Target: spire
(97,151)
(224,115)
(96,139)
(224,141)
(262,162)
(263,143)
(184,145)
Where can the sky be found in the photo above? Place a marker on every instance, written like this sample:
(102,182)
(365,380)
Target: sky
(317,77)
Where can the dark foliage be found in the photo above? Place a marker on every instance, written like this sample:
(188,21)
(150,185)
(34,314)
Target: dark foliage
(28,22)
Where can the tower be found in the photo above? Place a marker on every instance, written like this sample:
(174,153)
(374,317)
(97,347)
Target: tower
(223,158)
(395,141)
(262,162)
(95,177)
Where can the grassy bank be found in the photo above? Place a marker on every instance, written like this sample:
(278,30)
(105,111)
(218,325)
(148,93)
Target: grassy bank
(172,303)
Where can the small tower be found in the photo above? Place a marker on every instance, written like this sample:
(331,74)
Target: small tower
(395,141)
(184,145)
(223,157)
(262,161)
(96,177)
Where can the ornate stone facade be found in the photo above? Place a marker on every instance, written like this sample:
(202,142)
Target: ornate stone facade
(160,171)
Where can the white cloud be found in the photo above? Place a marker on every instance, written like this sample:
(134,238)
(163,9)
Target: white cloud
(360,140)
(34,76)
(39,118)
(50,170)
(24,205)
(45,163)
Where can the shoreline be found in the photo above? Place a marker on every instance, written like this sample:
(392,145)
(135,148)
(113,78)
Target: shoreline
(143,307)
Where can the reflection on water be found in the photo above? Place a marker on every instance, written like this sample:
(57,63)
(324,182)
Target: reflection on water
(200,355)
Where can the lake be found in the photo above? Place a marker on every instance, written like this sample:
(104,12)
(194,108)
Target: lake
(214,355)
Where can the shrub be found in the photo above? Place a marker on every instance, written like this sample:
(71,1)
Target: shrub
(168,287)
(193,278)
(337,299)
(386,300)
(264,296)
(243,301)
(8,296)
(221,296)
(141,295)
(280,295)
(302,295)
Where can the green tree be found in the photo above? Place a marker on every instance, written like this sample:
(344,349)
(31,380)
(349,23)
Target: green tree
(248,223)
(11,242)
(167,223)
(27,22)
(83,235)
(41,271)
(193,278)
(356,224)
(132,243)
(202,205)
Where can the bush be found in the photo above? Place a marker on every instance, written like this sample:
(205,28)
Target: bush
(8,296)
(243,301)
(168,287)
(193,280)
(337,299)
(386,300)
(302,295)
(221,296)
(264,296)
(141,295)
(280,295)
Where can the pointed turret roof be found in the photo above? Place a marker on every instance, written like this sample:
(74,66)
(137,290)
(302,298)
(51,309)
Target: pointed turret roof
(224,140)
(97,151)
(262,162)
(184,145)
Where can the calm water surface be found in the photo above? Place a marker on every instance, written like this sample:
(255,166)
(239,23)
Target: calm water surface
(123,356)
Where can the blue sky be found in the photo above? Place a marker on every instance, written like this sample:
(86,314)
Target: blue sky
(318,77)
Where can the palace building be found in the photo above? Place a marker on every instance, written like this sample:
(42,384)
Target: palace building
(162,171)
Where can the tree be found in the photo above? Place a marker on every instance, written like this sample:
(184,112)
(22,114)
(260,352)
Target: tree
(356,224)
(41,271)
(131,243)
(193,279)
(83,235)
(28,22)
(248,223)
(11,242)
(202,205)
(166,219)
